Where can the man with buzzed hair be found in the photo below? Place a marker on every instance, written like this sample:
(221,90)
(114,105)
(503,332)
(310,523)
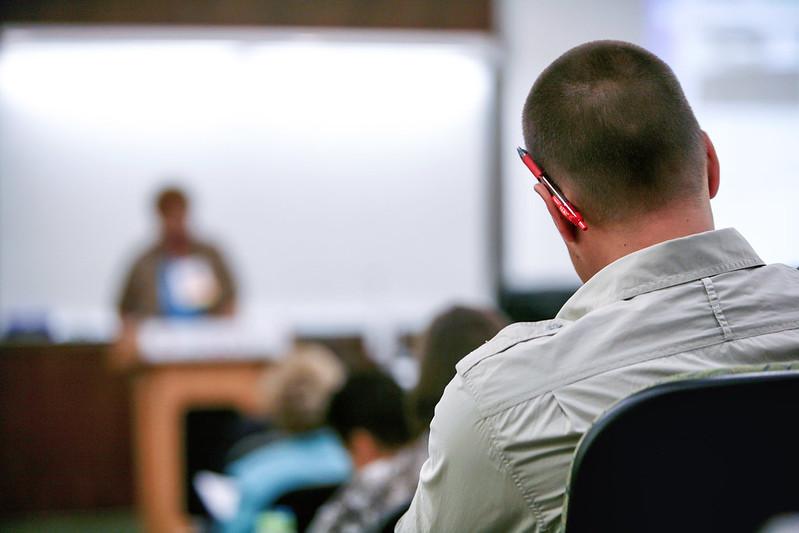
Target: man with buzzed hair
(627,176)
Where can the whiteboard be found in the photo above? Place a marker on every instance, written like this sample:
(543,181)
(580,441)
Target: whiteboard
(344,174)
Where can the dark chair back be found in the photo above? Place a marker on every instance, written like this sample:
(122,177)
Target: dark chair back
(305,502)
(700,455)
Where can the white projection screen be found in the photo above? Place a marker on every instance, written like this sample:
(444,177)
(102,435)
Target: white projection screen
(345,174)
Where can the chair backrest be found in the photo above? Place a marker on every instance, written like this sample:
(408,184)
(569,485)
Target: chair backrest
(305,502)
(712,454)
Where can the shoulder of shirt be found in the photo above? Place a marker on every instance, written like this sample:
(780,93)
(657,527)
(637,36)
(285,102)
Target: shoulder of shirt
(489,376)
(505,339)
(146,255)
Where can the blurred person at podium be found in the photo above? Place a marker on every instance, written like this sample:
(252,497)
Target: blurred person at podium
(177,276)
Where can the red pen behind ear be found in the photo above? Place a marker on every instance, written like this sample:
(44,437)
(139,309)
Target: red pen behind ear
(565,208)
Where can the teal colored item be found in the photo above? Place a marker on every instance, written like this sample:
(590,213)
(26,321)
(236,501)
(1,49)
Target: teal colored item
(311,459)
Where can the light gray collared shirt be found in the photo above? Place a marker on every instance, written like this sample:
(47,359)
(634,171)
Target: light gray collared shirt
(505,430)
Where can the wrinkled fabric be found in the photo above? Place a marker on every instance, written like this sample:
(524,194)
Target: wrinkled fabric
(504,433)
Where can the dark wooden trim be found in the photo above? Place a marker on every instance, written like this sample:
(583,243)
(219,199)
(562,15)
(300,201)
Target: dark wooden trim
(410,14)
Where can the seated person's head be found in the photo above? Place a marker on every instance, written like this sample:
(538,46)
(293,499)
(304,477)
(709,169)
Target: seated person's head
(610,120)
(609,124)
(299,388)
(451,336)
(368,413)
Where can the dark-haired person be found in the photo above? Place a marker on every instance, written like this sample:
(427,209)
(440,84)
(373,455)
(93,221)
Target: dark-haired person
(369,415)
(664,293)
(178,276)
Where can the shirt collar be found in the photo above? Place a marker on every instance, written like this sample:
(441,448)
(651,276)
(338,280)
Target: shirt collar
(662,265)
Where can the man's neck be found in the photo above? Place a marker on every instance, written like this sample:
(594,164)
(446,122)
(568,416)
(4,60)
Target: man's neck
(614,243)
(176,247)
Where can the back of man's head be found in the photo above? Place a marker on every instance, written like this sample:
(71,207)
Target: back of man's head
(610,120)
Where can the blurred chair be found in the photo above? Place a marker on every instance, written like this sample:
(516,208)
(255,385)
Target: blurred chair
(305,502)
(208,435)
(716,453)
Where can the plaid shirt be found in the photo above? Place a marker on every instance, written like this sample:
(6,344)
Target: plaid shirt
(376,490)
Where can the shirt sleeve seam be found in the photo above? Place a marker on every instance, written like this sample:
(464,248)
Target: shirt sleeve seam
(669,351)
(692,275)
(486,428)
(468,363)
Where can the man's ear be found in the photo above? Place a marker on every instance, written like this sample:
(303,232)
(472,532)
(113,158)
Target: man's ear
(567,230)
(713,171)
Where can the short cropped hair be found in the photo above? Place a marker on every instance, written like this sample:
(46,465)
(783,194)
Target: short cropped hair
(451,336)
(372,401)
(298,389)
(611,119)
(170,198)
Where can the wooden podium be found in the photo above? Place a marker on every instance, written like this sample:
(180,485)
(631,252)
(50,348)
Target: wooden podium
(163,392)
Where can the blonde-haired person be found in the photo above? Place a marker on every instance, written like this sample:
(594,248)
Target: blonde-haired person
(297,392)
(299,389)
